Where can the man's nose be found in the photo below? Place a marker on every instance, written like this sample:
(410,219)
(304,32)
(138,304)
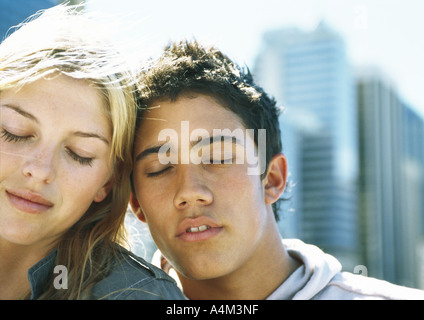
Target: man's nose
(192,189)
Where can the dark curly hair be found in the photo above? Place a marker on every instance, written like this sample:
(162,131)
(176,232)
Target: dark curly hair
(187,67)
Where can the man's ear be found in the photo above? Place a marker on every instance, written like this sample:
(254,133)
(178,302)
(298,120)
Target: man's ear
(135,206)
(104,191)
(276,178)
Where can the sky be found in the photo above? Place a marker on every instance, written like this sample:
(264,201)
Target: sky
(386,34)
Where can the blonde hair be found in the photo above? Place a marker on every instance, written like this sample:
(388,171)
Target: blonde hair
(63,40)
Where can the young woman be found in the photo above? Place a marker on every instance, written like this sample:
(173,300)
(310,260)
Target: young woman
(67,116)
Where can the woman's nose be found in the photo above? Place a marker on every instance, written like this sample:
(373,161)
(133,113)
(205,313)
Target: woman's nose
(39,164)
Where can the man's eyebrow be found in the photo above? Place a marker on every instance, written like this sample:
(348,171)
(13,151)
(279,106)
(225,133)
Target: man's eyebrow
(220,138)
(198,144)
(146,152)
(91,135)
(20,111)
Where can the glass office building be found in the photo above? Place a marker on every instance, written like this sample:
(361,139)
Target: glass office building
(309,74)
(391,181)
(355,154)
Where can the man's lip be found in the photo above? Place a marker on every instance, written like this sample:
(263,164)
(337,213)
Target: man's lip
(188,223)
(30,196)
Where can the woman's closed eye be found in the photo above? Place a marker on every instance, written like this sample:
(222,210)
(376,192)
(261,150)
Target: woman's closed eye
(10,137)
(85,161)
(13,138)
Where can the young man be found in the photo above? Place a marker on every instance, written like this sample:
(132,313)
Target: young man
(208,170)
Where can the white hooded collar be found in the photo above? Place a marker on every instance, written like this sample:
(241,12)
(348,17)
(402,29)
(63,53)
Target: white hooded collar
(316,270)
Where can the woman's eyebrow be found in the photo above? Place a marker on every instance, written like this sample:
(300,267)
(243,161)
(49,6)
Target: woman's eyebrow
(91,135)
(20,111)
(33,118)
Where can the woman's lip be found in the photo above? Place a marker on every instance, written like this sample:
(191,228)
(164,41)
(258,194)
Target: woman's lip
(28,201)
(30,196)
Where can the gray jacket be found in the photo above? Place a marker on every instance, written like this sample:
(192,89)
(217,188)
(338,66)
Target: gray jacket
(131,278)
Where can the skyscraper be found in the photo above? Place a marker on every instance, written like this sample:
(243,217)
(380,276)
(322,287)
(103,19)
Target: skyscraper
(309,73)
(391,139)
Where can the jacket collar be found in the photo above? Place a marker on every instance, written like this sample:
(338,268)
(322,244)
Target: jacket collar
(39,274)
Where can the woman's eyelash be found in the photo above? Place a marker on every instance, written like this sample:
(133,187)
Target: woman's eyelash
(83,161)
(10,137)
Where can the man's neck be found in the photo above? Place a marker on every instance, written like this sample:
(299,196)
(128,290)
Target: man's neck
(255,280)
